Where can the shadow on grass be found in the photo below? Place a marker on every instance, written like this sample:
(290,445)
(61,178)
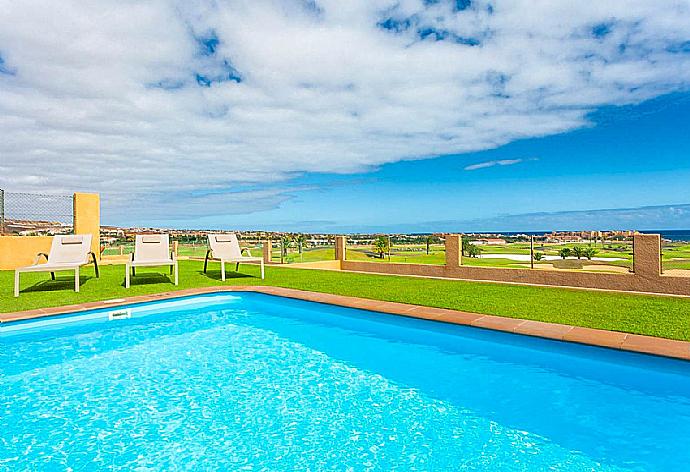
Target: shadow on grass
(229,274)
(60,283)
(147,278)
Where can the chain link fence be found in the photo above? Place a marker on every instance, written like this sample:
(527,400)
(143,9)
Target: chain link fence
(32,213)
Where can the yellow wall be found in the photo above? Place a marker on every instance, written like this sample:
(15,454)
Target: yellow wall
(87,218)
(18,251)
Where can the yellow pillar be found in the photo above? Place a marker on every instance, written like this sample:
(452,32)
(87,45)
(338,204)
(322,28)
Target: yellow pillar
(87,218)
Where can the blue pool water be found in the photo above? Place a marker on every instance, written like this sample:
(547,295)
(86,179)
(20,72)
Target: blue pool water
(255,382)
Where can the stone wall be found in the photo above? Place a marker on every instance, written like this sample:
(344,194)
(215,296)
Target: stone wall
(645,278)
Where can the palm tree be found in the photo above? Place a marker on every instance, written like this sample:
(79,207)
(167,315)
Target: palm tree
(429,239)
(590,252)
(564,252)
(300,239)
(578,251)
(381,245)
(285,243)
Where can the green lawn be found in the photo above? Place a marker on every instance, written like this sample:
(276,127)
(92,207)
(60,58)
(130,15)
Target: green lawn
(652,315)
(412,254)
(676,256)
(314,254)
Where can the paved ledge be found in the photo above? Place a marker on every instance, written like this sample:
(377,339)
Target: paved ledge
(560,332)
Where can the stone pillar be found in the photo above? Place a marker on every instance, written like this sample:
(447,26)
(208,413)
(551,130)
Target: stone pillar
(340,242)
(87,218)
(453,250)
(266,246)
(175,247)
(647,255)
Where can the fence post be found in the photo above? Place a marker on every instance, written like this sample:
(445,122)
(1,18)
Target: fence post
(453,250)
(531,251)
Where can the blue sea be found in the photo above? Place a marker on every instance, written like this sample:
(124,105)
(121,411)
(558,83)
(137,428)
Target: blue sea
(670,234)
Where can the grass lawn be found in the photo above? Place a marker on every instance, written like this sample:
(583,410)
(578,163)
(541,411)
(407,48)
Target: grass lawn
(313,254)
(667,317)
(676,256)
(403,254)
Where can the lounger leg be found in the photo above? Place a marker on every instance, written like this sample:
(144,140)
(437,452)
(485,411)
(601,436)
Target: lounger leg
(95,265)
(262,269)
(237,267)
(127,269)
(52,275)
(206,260)
(222,271)
(76,279)
(16,283)
(177,271)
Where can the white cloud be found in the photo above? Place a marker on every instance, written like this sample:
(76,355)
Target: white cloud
(297,87)
(500,162)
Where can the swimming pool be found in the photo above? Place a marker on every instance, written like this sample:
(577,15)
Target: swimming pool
(248,381)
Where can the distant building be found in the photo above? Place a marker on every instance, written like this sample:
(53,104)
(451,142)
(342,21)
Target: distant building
(489,242)
(564,238)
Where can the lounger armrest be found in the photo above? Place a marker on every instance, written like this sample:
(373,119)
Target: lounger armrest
(249,253)
(173,256)
(38,257)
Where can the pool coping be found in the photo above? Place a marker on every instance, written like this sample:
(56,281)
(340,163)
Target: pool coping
(560,332)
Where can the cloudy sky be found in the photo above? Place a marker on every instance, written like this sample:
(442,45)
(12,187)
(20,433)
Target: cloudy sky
(341,116)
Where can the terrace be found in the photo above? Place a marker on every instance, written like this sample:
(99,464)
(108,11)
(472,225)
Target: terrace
(640,300)
(439,289)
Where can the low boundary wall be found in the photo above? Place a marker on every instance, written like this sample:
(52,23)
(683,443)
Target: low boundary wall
(646,277)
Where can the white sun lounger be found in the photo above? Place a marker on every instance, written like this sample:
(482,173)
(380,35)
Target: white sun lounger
(226,248)
(67,252)
(151,250)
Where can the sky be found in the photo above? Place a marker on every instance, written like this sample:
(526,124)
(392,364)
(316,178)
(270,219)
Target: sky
(358,116)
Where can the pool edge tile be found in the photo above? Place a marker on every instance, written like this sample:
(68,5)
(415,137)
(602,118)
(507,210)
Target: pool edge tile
(498,323)
(596,337)
(543,329)
(560,332)
(658,346)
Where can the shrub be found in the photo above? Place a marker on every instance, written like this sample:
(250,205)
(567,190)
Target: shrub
(564,252)
(473,250)
(381,246)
